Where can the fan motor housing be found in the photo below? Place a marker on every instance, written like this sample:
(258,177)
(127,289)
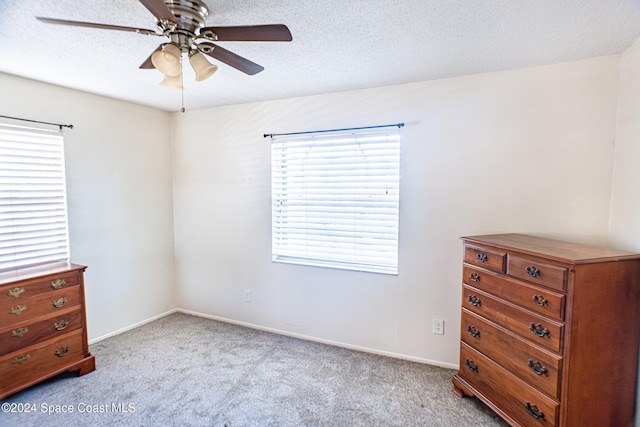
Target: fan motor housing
(191,14)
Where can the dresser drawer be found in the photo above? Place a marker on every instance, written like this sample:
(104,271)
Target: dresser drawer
(515,397)
(20,310)
(540,330)
(24,334)
(538,367)
(32,362)
(28,288)
(537,272)
(531,297)
(491,260)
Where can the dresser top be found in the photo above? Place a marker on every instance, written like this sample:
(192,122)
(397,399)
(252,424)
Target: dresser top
(24,273)
(566,251)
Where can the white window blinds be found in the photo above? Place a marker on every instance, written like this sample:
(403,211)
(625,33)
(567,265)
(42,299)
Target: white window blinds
(33,210)
(335,199)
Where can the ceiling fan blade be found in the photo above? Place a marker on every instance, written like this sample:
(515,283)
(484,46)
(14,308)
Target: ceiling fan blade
(160,10)
(148,65)
(248,33)
(94,25)
(230,58)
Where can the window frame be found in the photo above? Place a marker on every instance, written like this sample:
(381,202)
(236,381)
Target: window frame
(34,225)
(375,157)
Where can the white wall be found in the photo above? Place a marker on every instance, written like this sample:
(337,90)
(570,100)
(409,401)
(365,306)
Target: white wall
(521,151)
(625,209)
(625,205)
(119,195)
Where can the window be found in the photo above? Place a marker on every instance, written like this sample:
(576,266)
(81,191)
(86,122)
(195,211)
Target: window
(33,210)
(335,199)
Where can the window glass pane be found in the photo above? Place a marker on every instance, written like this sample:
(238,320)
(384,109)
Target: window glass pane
(335,199)
(33,209)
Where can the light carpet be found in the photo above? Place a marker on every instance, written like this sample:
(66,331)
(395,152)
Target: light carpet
(184,370)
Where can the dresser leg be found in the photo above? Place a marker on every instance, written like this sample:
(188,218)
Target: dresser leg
(459,389)
(90,366)
(87,365)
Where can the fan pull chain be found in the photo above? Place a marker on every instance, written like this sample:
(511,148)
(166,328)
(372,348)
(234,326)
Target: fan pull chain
(182,84)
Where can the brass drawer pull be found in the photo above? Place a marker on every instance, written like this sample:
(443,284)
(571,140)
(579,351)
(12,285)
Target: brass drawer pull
(538,367)
(17,310)
(473,331)
(62,351)
(59,302)
(58,283)
(540,300)
(539,330)
(19,360)
(15,292)
(534,411)
(472,366)
(482,257)
(60,324)
(533,271)
(474,300)
(18,333)
(475,277)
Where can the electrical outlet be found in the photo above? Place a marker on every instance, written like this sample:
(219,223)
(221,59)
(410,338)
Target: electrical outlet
(247,295)
(438,326)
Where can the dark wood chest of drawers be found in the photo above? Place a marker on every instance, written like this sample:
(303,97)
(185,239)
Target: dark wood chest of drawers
(42,325)
(549,331)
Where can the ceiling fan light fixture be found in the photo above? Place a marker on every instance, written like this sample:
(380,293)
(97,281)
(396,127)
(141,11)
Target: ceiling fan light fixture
(203,68)
(172,82)
(167,60)
(183,23)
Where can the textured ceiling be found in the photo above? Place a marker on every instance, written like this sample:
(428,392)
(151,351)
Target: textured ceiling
(337,44)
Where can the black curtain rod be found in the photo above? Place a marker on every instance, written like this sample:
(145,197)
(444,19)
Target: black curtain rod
(271,135)
(37,121)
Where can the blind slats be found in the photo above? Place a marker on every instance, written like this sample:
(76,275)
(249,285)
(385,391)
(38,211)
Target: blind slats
(33,213)
(335,200)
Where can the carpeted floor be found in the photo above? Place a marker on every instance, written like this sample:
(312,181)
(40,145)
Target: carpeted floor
(183,370)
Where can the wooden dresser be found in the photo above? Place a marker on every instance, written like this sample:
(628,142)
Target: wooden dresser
(549,331)
(43,328)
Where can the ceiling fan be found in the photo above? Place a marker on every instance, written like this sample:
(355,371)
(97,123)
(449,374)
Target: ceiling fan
(183,22)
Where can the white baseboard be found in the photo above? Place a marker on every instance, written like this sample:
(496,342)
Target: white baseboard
(324,341)
(280,332)
(133,326)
